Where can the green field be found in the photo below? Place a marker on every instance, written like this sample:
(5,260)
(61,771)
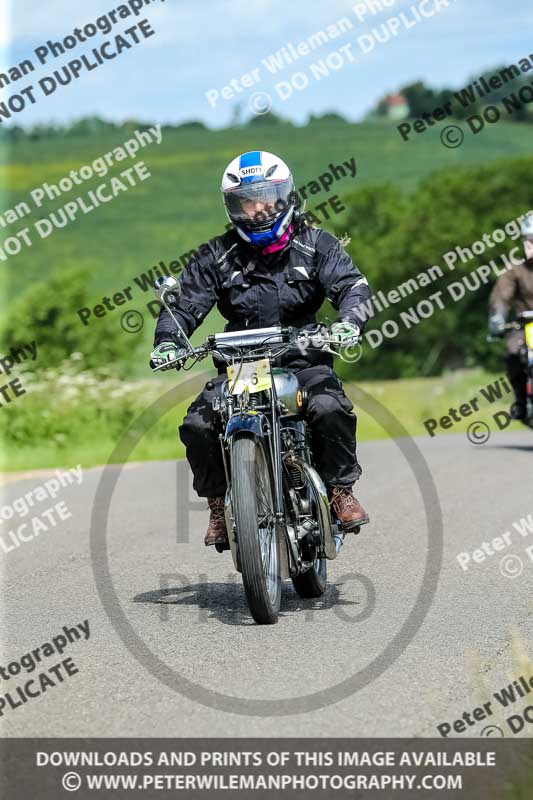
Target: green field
(180,206)
(66,419)
(69,418)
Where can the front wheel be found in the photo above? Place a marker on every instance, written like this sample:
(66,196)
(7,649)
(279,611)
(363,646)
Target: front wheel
(258,542)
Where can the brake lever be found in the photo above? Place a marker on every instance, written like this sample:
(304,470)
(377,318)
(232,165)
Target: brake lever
(177,363)
(317,343)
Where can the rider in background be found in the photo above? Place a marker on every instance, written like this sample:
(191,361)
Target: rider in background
(271,268)
(513,291)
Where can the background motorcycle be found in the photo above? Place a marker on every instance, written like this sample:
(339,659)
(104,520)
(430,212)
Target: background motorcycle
(524,321)
(277,511)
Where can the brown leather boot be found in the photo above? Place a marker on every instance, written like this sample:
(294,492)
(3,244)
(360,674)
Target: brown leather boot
(216,530)
(349,511)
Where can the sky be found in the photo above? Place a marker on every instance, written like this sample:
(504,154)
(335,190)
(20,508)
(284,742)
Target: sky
(200,46)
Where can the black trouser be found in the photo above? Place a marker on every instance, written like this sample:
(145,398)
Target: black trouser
(517,376)
(516,370)
(329,413)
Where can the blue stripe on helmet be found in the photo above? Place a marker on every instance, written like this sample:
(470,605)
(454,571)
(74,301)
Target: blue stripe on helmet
(251,159)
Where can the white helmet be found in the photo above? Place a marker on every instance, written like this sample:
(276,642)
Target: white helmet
(527,234)
(259,196)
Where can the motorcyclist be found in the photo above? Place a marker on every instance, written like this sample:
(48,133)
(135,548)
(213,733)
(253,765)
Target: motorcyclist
(271,268)
(513,291)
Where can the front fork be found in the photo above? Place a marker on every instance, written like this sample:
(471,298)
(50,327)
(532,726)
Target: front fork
(274,443)
(285,531)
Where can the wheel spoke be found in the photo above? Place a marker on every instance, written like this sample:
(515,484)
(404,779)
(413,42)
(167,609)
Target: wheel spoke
(261,492)
(267,557)
(265,521)
(265,552)
(266,524)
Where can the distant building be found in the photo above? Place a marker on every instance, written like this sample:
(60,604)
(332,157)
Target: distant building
(396,106)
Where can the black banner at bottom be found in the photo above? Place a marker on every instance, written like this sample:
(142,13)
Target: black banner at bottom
(488,769)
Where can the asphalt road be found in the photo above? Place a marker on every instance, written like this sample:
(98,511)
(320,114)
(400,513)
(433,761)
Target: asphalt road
(186,604)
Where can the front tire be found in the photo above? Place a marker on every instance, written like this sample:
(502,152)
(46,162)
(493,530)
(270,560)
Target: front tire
(257,537)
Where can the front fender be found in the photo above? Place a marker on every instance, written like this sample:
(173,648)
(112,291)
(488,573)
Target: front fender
(251,421)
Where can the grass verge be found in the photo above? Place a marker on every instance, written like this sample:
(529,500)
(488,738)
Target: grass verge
(70,416)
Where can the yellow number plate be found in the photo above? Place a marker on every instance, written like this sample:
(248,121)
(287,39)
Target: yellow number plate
(529,334)
(254,376)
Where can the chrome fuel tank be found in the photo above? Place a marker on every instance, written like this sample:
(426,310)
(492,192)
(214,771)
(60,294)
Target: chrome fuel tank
(288,391)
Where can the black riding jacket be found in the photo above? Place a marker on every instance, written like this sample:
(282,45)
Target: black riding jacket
(253,290)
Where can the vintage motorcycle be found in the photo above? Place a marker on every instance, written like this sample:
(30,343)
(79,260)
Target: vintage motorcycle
(276,506)
(524,321)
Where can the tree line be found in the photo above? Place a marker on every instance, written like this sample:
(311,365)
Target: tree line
(397,235)
(422,98)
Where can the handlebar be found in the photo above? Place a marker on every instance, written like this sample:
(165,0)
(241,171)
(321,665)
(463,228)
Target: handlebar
(276,334)
(521,321)
(284,337)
